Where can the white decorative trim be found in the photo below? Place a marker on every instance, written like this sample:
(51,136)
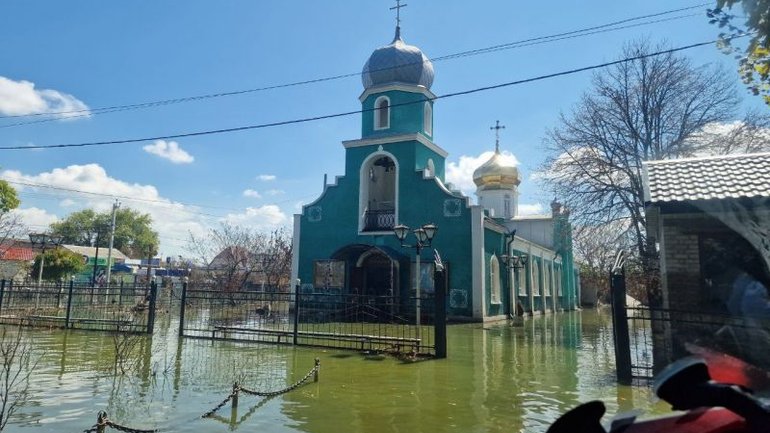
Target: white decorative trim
(363,189)
(427,118)
(376,124)
(400,87)
(295,251)
(396,139)
(478,263)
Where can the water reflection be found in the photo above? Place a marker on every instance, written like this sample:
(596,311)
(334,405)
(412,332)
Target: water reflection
(498,378)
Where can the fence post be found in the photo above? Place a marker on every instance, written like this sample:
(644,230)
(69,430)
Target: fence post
(317,369)
(620,327)
(120,294)
(101,422)
(182,307)
(151,313)
(439,321)
(2,292)
(69,304)
(296,312)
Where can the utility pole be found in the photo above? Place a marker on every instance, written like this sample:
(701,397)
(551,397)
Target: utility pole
(115,207)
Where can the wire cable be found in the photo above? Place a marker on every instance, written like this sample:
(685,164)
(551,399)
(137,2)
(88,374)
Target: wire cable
(612,26)
(350,113)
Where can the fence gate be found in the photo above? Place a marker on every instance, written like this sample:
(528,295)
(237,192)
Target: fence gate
(123,308)
(317,317)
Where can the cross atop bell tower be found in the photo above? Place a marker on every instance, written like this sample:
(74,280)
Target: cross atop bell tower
(497,129)
(397,8)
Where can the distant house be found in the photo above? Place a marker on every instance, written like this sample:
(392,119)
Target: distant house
(15,260)
(96,262)
(710,220)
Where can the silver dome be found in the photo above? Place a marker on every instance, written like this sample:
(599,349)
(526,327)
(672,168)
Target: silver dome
(397,63)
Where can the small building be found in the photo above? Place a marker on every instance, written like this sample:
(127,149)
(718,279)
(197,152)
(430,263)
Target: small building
(710,221)
(16,258)
(95,261)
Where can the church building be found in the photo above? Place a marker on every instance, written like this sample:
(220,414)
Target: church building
(498,264)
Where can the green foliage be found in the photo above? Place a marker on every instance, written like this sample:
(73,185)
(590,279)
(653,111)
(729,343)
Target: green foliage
(134,235)
(59,263)
(754,61)
(8,198)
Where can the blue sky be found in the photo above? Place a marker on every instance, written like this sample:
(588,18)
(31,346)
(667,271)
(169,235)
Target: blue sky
(91,54)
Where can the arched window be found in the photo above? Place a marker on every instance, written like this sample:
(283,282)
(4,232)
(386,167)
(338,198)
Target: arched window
(378,193)
(522,282)
(430,169)
(382,113)
(427,119)
(494,278)
(547,281)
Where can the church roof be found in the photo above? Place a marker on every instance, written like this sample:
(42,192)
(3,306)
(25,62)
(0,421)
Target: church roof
(720,177)
(397,62)
(496,173)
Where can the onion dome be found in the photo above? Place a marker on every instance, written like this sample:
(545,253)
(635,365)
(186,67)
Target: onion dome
(496,173)
(397,63)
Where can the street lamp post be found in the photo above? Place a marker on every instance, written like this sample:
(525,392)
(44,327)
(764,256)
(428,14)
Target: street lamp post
(517,263)
(424,238)
(44,240)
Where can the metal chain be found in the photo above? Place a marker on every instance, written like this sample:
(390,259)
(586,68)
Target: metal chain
(219,406)
(103,421)
(128,429)
(287,389)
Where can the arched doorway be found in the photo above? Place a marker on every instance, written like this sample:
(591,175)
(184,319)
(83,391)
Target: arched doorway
(380,275)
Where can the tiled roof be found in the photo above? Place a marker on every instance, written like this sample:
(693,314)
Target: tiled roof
(91,251)
(721,177)
(17,253)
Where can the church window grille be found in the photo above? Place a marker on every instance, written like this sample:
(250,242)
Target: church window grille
(427,115)
(382,113)
(494,278)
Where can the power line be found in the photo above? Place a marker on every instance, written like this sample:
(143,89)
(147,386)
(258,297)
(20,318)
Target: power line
(612,26)
(174,205)
(350,113)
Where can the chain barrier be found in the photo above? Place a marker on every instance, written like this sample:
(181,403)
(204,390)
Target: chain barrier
(237,388)
(102,421)
(220,405)
(290,388)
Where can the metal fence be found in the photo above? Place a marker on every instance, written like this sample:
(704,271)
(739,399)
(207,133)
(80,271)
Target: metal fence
(312,318)
(124,308)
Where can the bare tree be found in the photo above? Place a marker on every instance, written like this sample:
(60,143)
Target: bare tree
(749,135)
(236,258)
(16,366)
(645,109)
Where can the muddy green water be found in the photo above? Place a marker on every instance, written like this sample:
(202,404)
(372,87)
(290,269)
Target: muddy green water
(500,378)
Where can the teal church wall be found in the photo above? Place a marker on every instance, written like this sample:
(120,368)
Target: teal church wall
(406,114)
(332,221)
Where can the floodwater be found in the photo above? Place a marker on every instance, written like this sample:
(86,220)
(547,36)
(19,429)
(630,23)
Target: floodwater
(501,378)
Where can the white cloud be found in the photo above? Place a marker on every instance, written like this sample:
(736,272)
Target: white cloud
(460,174)
(266,177)
(21,97)
(35,219)
(67,202)
(274,192)
(252,193)
(263,217)
(169,150)
(530,209)
(173,221)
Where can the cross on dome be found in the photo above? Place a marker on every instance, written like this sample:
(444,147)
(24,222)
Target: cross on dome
(497,129)
(398,7)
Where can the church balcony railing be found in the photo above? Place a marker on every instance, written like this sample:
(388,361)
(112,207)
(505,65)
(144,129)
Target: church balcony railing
(379,220)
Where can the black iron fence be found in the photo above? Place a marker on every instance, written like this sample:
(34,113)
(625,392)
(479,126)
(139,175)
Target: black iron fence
(315,318)
(124,308)
(648,339)
(379,220)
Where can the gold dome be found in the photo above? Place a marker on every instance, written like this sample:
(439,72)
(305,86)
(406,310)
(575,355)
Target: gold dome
(496,174)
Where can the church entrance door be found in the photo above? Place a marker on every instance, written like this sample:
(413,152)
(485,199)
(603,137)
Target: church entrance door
(380,287)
